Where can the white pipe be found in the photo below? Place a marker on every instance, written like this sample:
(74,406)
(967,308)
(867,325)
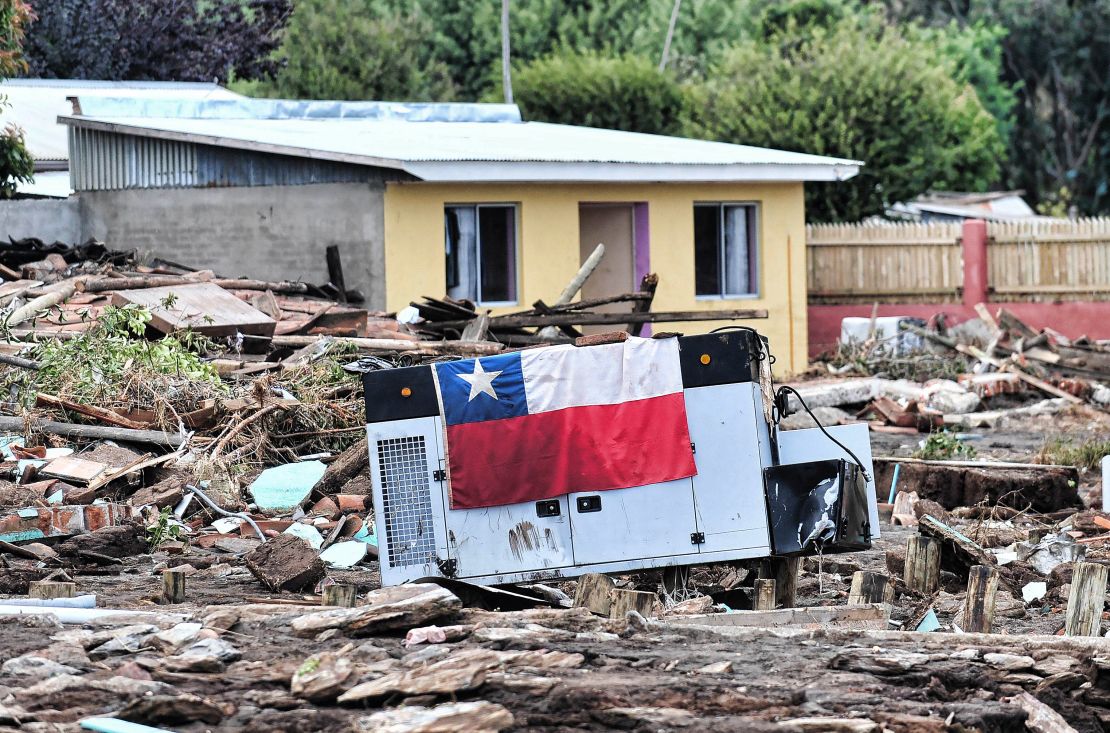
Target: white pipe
(85,601)
(74,615)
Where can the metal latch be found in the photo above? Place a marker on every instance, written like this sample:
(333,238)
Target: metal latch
(439,475)
(587,504)
(549,508)
(697,538)
(448,568)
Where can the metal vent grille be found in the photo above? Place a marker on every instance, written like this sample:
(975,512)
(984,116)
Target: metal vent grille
(406,500)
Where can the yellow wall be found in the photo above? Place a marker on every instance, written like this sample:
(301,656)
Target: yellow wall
(549,256)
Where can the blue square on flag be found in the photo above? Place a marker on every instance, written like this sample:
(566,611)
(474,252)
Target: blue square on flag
(475,390)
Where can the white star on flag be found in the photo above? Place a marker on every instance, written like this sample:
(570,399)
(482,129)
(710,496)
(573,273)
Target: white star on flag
(480,381)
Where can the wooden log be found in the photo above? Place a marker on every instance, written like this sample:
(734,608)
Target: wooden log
(1088,595)
(100,285)
(47,589)
(340,594)
(982,584)
(367,344)
(784,571)
(764,598)
(92,432)
(51,296)
(922,573)
(647,285)
(18,361)
(173,586)
(345,467)
(595,592)
(870,588)
(640,601)
(607,319)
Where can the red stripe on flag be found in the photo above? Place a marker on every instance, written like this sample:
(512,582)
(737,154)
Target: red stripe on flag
(590,448)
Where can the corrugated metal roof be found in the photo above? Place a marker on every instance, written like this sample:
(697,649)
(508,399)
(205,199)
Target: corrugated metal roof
(245,108)
(35,104)
(478,151)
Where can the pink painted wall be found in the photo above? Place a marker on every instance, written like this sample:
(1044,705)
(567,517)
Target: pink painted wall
(1073,319)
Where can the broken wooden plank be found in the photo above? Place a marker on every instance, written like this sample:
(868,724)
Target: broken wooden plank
(870,616)
(202,307)
(95,432)
(605,319)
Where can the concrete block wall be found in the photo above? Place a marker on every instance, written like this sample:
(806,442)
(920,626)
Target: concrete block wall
(51,220)
(263,232)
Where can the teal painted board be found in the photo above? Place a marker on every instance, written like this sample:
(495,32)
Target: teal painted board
(285,487)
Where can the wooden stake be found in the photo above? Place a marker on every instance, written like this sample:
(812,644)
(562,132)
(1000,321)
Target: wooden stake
(47,589)
(982,584)
(870,588)
(922,564)
(784,571)
(341,595)
(173,586)
(764,599)
(624,601)
(1088,594)
(595,593)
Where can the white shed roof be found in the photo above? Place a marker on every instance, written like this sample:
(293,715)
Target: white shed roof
(461,151)
(35,104)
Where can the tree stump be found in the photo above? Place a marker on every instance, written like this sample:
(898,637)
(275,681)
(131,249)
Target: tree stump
(624,601)
(340,595)
(47,589)
(922,572)
(764,598)
(173,586)
(870,588)
(982,584)
(1088,594)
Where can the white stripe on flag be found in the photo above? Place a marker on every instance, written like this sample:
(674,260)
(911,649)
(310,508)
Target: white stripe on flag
(570,376)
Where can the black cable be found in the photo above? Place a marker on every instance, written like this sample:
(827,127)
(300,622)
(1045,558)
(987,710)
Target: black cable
(791,390)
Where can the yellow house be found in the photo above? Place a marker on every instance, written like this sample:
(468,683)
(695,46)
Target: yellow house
(463,199)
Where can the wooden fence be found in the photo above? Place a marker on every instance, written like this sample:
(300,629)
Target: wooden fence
(888,263)
(1049,260)
(1037,260)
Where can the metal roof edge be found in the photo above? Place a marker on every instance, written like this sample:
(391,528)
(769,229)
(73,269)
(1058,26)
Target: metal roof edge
(585,172)
(225,142)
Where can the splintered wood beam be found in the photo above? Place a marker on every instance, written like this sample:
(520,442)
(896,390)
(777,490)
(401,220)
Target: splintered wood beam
(605,319)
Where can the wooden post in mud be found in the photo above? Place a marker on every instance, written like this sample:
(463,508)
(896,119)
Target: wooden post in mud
(173,586)
(982,584)
(870,588)
(1088,594)
(784,571)
(764,597)
(340,595)
(922,564)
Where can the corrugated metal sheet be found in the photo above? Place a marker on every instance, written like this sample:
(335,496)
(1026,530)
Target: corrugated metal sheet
(103,161)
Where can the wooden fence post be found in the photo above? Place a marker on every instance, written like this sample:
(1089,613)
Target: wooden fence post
(764,597)
(982,584)
(784,571)
(1088,594)
(340,595)
(173,586)
(870,588)
(47,589)
(922,572)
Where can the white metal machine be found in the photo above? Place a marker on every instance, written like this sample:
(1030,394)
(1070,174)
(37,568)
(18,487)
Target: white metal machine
(758,492)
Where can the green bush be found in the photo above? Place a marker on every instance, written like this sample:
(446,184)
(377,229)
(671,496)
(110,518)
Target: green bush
(621,93)
(860,93)
(16,164)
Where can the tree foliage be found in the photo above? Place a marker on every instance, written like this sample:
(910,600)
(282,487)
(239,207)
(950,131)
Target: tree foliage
(182,40)
(16,164)
(617,92)
(1055,59)
(853,93)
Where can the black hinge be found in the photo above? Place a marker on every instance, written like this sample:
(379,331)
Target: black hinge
(448,568)
(693,448)
(439,475)
(697,538)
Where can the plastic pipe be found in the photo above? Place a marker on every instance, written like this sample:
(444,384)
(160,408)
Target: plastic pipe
(894,482)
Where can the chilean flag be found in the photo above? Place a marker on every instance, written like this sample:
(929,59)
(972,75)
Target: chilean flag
(541,423)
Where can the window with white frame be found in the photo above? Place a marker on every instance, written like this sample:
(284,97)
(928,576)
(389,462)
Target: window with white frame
(481,252)
(725,250)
